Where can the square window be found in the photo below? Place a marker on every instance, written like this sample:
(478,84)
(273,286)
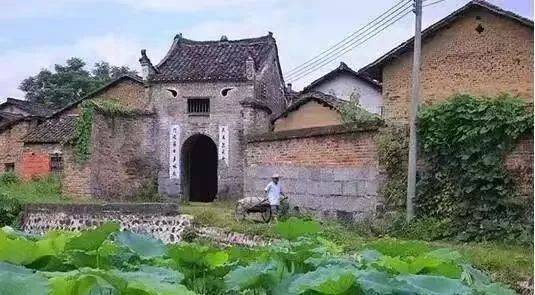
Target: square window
(9,167)
(199,106)
(56,163)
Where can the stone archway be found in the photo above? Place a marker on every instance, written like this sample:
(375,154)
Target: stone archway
(199,162)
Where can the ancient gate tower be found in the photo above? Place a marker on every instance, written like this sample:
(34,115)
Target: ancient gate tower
(207,96)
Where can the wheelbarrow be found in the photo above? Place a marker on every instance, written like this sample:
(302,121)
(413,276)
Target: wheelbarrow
(258,205)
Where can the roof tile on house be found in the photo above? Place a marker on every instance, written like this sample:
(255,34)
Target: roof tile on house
(320,97)
(373,70)
(342,68)
(54,130)
(222,60)
(33,108)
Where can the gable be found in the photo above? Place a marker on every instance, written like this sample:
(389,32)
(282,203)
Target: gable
(310,114)
(471,9)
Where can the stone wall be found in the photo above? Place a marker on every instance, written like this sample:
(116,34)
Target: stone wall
(11,145)
(224,111)
(331,171)
(36,159)
(123,155)
(75,180)
(161,221)
(458,59)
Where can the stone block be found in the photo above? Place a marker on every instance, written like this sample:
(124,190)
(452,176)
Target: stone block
(349,188)
(344,174)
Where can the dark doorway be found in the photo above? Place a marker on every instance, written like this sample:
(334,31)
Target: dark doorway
(199,154)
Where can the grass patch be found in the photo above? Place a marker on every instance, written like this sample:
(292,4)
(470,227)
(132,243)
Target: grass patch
(509,264)
(42,190)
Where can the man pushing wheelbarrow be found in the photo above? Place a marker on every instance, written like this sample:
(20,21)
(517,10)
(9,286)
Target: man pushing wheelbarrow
(267,207)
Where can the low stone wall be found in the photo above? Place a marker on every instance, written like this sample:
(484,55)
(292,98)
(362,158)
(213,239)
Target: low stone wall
(159,220)
(330,171)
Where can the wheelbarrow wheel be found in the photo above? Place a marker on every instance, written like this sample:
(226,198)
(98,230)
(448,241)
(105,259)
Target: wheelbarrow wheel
(239,212)
(266,215)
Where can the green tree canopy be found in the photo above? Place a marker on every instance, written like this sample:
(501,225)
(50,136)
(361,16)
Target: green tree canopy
(69,82)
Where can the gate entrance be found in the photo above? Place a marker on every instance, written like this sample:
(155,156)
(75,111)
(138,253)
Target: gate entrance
(199,154)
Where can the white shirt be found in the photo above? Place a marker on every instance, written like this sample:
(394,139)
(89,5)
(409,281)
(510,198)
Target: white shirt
(274,193)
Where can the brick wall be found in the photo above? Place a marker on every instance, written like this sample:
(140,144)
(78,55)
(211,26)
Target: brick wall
(76,176)
(123,155)
(130,93)
(332,171)
(36,160)
(11,145)
(458,59)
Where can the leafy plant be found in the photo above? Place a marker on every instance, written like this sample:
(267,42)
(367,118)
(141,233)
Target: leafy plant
(352,112)
(10,209)
(107,261)
(9,178)
(464,141)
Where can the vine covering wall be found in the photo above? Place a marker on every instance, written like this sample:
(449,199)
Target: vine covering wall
(464,141)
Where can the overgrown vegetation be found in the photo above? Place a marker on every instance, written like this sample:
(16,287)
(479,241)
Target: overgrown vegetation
(464,141)
(82,136)
(10,209)
(392,154)
(108,261)
(40,190)
(352,112)
(506,263)
(109,107)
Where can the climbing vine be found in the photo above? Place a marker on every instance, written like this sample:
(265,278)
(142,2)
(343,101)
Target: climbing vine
(82,138)
(108,107)
(392,152)
(464,141)
(352,112)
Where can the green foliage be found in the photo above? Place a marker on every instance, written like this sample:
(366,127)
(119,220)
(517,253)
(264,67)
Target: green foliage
(464,141)
(106,261)
(82,135)
(10,209)
(68,83)
(294,228)
(392,154)
(41,190)
(9,178)
(352,112)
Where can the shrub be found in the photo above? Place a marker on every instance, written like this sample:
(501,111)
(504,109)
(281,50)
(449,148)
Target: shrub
(352,112)
(9,178)
(10,210)
(464,141)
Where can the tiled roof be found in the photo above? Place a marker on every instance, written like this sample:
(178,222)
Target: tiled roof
(342,68)
(7,119)
(320,97)
(33,108)
(54,130)
(373,70)
(223,60)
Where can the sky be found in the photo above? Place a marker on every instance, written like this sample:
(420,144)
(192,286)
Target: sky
(36,34)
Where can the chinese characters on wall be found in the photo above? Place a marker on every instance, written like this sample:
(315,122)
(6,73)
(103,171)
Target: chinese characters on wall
(174,149)
(223,144)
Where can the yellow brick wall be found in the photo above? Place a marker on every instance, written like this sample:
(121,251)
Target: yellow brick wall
(458,59)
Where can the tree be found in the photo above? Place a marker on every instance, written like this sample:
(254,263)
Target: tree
(69,82)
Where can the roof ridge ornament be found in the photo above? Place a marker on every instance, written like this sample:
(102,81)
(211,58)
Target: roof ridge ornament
(249,67)
(147,68)
(178,36)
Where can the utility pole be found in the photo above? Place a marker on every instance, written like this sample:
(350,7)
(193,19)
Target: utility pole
(415,99)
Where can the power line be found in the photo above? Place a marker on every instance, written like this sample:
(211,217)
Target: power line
(343,41)
(347,44)
(432,3)
(347,49)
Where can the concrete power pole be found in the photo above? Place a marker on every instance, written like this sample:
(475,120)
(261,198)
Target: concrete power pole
(413,143)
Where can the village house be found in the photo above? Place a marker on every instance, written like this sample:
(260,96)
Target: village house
(213,119)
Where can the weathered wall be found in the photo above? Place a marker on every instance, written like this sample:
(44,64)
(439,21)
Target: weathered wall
(269,86)
(123,155)
(161,221)
(36,159)
(328,170)
(11,145)
(224,111)
(129,93)
(346,85)
(520,164)
(75,179)
(311,114)
(458,59)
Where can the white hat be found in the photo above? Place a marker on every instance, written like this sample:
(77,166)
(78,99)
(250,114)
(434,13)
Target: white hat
(275,176)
